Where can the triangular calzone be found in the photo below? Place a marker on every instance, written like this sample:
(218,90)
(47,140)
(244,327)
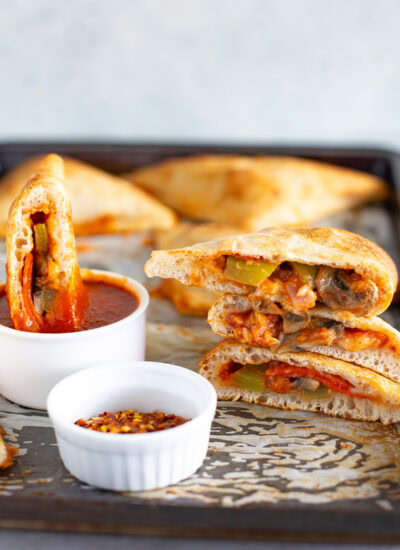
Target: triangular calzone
(101,202)
(256,192)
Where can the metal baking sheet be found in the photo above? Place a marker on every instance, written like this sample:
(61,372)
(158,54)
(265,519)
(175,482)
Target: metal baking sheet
(268,473)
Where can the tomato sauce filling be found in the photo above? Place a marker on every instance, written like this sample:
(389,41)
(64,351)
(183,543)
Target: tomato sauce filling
(50,303)
(107,304)
(256,328)
(290,290)
(281,377)
(298,287)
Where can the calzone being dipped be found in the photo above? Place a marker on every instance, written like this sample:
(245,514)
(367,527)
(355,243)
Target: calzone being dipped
(101,202)
(44,288)
(301,381)
(366,341)
(297,269)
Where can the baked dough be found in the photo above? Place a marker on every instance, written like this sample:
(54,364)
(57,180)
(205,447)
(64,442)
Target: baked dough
(195,265)
(383,360)
(382,400)
(101,202)
(44,195)
(189,300)
(257,192)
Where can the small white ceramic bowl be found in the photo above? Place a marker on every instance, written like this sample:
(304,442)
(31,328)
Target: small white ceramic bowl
(133,462)
(31,363)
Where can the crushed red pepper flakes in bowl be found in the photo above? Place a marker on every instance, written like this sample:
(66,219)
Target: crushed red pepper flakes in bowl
(131,422)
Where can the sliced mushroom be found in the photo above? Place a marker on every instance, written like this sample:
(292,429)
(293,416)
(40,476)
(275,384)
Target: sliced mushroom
(339,289)
(293,323)
(268,307)
(307,384)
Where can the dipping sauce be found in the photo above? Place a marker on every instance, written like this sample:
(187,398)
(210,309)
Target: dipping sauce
(131,422)
(107,304)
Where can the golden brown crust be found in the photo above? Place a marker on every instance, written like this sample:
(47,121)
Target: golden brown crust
(101,202)
(187,234)
(256,192)
(376,324)
(378,386)
(45,194)
(382,396)
(382,356)
(318,246)
(189,300)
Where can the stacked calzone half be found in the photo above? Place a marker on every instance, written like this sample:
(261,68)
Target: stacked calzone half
(298,313)
(189,300)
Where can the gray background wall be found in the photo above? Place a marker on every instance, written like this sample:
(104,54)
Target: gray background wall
(237,70)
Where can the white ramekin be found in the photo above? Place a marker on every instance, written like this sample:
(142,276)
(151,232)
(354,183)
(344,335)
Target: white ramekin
(31,364)
(133,462)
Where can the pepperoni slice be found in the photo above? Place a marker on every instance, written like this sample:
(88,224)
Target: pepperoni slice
(331,381)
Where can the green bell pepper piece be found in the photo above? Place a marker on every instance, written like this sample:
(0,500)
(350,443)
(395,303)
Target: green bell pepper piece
(250,377)
(307,273)
(249,274)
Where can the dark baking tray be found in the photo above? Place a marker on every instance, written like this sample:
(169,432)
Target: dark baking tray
(108,512)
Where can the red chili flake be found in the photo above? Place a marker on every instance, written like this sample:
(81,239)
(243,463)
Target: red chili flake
(131,422)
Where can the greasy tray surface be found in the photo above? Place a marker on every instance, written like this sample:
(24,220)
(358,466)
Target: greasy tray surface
(309,476)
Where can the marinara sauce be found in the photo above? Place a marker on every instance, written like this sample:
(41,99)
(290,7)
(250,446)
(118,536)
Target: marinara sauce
(108,303)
